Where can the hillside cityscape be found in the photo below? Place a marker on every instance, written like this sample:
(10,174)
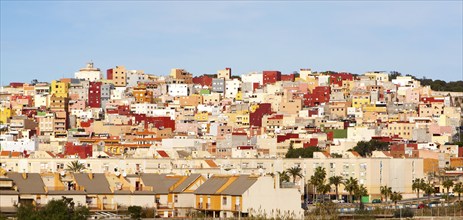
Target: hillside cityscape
(121,143)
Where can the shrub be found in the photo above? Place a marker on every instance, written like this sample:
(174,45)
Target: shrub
(404,213)
(135,212)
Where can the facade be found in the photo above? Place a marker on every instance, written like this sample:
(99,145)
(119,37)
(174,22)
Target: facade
(271,77)
(94,95)
(117,76)
(89,73)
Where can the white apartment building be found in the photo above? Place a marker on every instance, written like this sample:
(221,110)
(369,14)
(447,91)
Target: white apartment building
(152,110)
(118,93)
(177,90)
(41,100)
(253,77)
(232,87)
(323,80)
(135,76)
(20,145)
(89,73)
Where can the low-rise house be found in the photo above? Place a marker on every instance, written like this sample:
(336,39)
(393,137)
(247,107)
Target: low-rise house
(30,187)
(245,195)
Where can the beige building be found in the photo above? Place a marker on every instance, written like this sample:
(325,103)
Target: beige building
(117,76)
(181,76)
(372,172)
(402,129)
(434,109)
(338,110)
(225,73)
(292,106)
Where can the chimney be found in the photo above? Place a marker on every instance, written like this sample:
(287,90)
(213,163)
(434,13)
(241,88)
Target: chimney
(90,175)
(24,175)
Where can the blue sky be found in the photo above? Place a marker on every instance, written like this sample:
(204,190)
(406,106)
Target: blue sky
(48,40)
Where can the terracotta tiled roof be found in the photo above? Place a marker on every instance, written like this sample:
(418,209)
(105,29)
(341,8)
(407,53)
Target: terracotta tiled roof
(211,163)
(163,154)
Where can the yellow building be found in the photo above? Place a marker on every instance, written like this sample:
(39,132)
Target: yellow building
(5,114)
(202,116)
(359,100)
(239,96)
(59,89)
(142,95)
(374,108)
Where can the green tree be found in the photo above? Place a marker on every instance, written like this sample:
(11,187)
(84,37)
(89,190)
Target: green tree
(284,177)
(318,178)
(350,185)
(336,181)
(448,183)
(360,191)
(417,185)
(458,188)
(294,172)
(28,212)
(75,166)
(54,210)
(429,189)
(323,189)
(301,152)
(395,197)
(385,191)
(365,148)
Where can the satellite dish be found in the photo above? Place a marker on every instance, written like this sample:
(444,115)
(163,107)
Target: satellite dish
(62,173)
(124,174)
(117,173)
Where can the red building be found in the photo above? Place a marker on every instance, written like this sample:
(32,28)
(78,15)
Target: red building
(271,77)
(158,122)
(109,73)
(203,80)
(289,77)
(429,100)
(284,137)
(321,94)
(16,84)
(82,151)
(337,78)
(255,118)
(313,142)
(94,95)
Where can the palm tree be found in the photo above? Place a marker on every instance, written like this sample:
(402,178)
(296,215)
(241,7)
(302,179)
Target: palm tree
(447,184)
(284,177)
(350,185)
(320,174)
(295,172)
(336,181)
(317,179)
(323,189)
(428,189)
(418,184)
(395,197)
(75,166)
(314,182)
(458,188)
(360,191)
(385,191)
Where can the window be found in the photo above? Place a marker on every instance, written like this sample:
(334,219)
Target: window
(224,200)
